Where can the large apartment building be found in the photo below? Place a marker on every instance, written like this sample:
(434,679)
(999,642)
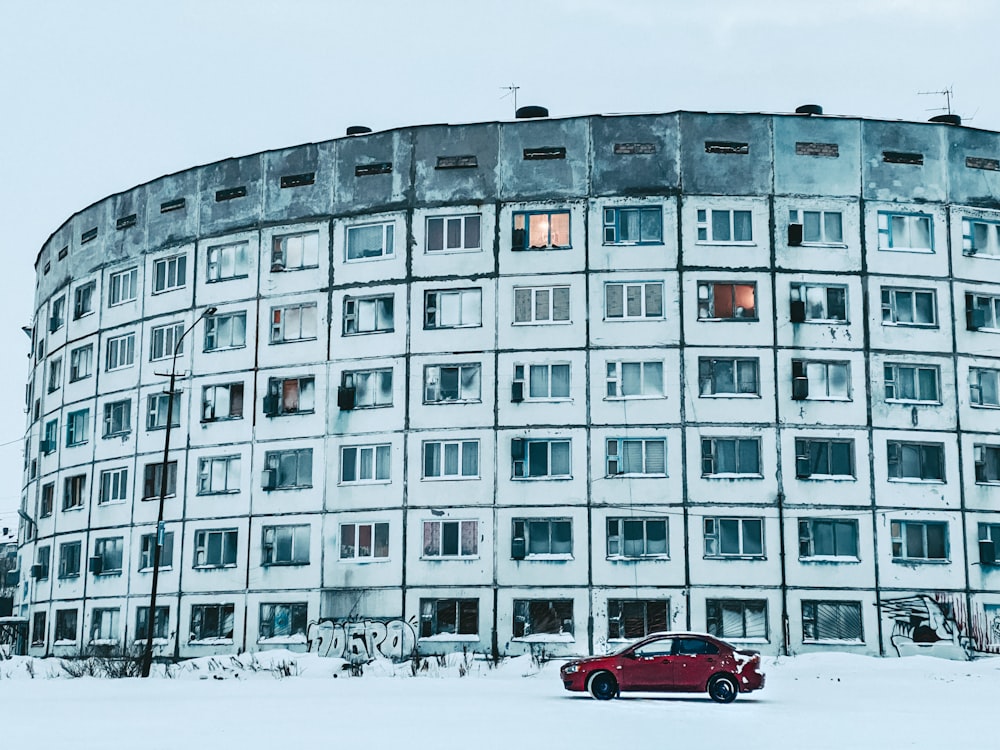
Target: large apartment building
(548,383)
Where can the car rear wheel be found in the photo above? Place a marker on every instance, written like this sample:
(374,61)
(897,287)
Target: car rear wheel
(603,686)
(722,689)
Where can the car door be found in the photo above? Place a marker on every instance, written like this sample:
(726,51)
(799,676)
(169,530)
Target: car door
(648,666)
(694,661)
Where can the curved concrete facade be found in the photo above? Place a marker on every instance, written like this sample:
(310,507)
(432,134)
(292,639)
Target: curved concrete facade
(537,384)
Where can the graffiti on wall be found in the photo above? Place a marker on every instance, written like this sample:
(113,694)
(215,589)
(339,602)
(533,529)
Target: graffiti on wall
(930,625)
(360,641)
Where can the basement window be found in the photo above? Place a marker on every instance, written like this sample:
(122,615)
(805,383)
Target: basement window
(298,180)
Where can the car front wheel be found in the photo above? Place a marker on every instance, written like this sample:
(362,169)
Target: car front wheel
(722,689)
(603,686)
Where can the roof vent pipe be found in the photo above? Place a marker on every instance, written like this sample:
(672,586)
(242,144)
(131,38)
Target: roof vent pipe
(948,119)
(809,109)
(531,111)
(358,129)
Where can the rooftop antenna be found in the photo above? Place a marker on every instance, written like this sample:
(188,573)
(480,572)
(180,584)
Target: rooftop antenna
(947,93)
(511,91)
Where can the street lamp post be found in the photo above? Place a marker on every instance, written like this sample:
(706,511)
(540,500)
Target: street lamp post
(147,657)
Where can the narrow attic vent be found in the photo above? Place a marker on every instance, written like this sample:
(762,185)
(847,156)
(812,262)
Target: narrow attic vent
(175,205)
(902,157)
(726,147)
(48,267)
(64,252)
(807,148)
(87,236)
(624,149)
(126,221)
(298,180)
(457,162)
(545,152)
(379,167)
(230,193)
(981,162)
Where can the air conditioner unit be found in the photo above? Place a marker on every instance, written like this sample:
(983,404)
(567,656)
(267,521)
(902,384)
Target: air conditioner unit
(803,469)
(47,446)
(794,235)
(269,479)
(13,577)
(517,548)
(517,240)
(517,391)
(346,397)
(36,571)
(270,405)
(987,552)
(798,312)
(96,565)
(800,388)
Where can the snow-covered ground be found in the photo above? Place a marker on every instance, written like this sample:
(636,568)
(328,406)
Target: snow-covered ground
(809,703)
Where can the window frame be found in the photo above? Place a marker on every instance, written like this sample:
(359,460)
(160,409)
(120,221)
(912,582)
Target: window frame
(441,460)
(708,377)
(524,473)
(271,613)
(527,530)
(801,369)
(446,220)
(706,293)
(535,305)
(77,427)
(213,324)
(308,323)
(152,474)
(378,528)
(715,619)
(377,375)
(466,613)
(799,292)
(228,549)
(808,539)
(433,307)
(969,248)
(163,340)
(275,404)
(437,540)
(712,455)
(383,313)
(651,623)
(69,564)
(889,296)
(111,551)
(811,621)
(900,540)
(119,352)
(803,452)
(231,464)
(886,240)
(432,389)
(616,538)
(79,362)
(83,299)
(216,262)
(978,394)
(713,539)
(381,457)
(308,253)
(169,273)
(898,461)
(524,623)
(209,402)
(893,383)
(157,405)
(524,373)
(612,223)
(647,308)
(117,418)
(123,286)
(277,461)
(797,216)
(224,615)
(147,546)
(387,249)
(526,230)
(616,380)
(616,457)
(299,536)
(986,456)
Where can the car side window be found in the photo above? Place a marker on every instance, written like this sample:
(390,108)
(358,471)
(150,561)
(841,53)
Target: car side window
(690,646)
(662,647)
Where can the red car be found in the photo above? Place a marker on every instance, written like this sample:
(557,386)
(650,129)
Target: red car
(668,662)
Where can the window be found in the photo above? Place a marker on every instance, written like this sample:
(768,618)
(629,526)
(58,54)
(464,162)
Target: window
(169,273)
(449,617)
(540,459)
(69,559)
(219,402)
(284,620)
(898,231)
(152,477)
(634,380)
(212,622)
(365,463)
(739,619)
(107,556)
(364,541)
(38,629)
(122,287)
(725,226)
(821,381)
(911,383)
(541,230)
(818,227)
(218,475)
(293,323)
(534,537)
(451,459)
(915,461)
(984,388)
(811,303)
(629,619)
(452,383)
(831,622)
(225,331)
(453,233)
(147,548)
(909,307)
(919,540)
(543,617)
(285,545)
(828,537)
(83,299)
(365,389)
(728,377)
(546,382)
(74,488)
(631,225)
(164,339)
(157,406)
(989,545)
(730,456)
(636,538)
(121,352)
(288,469)
(228,262)
(451,539)
(161,623)
(633,301)
(821,458)
(290,396)
(368,314)
(117,418)
(114,486)
(987,459)
(636,458)
(58,317)
(369,241)
(42,561)
(48,494)
(717,301)
(51,437)
(292,252)
(81,363)
(982,312)
(66,627)
(453,308)
(541,304)
(734,537)
(980,237)
(215,548)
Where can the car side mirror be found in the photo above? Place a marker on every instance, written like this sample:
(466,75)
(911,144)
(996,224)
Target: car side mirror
(630,655)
